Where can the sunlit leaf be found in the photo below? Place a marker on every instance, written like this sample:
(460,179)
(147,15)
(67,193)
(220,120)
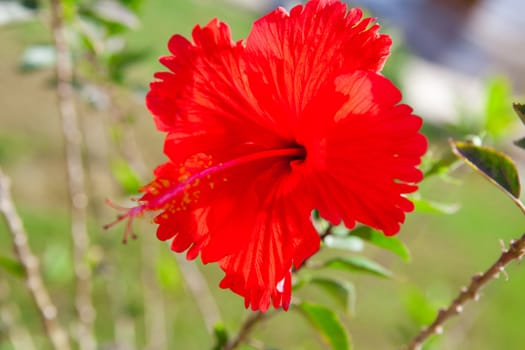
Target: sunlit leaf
(115,17)
(431,207)
(354,244)
(342,291)
(37,57)
(519,108)
(133,5)
(358,264)
(126,176)
(69,9)
(498,114)
(497,167)
(115,12)
(326,322)
(12,266)
(338,230)
(90,36)
(221,336)
(392,244)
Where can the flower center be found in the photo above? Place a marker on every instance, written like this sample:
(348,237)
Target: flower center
(294,153)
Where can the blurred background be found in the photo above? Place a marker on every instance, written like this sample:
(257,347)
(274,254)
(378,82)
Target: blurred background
(460,65)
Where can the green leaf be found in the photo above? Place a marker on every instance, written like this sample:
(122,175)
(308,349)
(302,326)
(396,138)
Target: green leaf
(520,111)
(56,263)
(112,11)
(520,143)
(440,165)
(495,166)
(69,10)
(118,62)
(431,207)
(133,5)
(353,244)
(498,114)
(221,336)
(392,244)
(327,323)
(115,18)
(519,108)
(418,306)
(125,176)
(342,291)
(12,266)
(30,4)
(358,264)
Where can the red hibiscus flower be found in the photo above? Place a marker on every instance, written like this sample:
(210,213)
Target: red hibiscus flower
(262,132)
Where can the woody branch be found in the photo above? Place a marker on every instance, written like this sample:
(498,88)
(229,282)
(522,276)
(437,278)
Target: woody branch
(245,330)
(29,262)
(515,251)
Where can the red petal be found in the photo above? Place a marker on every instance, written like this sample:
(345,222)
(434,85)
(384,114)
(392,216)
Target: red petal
(205,103)
(281,236)
(291,56)
(256,224)
(308,77)
(369,150)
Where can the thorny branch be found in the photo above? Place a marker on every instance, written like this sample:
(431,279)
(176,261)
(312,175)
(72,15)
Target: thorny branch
(75,173)
(515,251)
(29,262)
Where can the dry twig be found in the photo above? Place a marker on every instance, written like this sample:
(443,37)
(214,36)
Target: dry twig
(29,262)
(18,335)
(75,173)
